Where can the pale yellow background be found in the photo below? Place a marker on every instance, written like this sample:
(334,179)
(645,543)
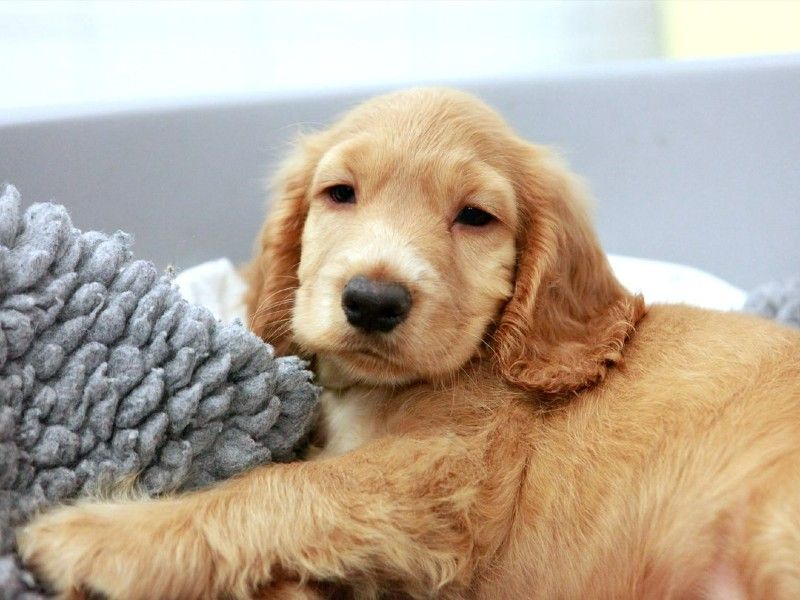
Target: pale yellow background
(709,28)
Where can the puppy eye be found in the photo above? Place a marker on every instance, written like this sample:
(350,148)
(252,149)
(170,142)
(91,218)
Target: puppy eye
(342,194)
(474,217)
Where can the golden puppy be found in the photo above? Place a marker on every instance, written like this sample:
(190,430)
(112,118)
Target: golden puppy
(482,436)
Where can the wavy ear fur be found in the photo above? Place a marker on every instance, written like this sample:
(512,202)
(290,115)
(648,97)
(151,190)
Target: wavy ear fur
(272,273)
(569,317)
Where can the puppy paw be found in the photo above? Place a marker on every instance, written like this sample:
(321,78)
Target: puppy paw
(61,546)
(120,550)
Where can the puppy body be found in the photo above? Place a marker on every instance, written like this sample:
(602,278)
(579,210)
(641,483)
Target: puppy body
(661,483)
(495,444)
(672,479)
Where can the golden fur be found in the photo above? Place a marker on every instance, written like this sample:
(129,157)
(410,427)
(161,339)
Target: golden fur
(494,445)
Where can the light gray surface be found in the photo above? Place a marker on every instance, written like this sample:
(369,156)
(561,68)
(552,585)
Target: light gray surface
(690,162)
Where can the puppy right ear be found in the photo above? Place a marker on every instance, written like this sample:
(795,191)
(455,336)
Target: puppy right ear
(569,318)
(272,273)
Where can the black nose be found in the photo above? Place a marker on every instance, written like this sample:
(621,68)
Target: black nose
(375,305)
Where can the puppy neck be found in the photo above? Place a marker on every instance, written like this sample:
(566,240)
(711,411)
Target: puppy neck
(351,413)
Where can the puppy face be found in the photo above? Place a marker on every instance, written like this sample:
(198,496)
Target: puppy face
(408,253)
(419,232)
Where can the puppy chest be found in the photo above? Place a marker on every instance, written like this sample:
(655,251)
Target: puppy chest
(349,420)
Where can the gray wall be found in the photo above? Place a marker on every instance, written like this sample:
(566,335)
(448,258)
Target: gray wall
(690,162)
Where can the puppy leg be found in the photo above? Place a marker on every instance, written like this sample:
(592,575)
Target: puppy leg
(397,512)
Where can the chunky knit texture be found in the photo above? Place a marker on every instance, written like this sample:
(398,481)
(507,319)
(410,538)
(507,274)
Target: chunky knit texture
(779,300)
(106,372)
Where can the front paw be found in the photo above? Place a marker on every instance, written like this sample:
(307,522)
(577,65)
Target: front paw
(125,550)
(62,546)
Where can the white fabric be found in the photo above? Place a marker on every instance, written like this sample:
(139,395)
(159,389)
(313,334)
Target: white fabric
(669,283)
(218,286)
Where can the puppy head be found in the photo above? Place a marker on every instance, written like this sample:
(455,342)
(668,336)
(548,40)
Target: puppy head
(419,233)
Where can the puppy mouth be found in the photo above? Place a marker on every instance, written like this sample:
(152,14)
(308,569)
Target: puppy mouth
(370,355)
(376,366)
(369,352)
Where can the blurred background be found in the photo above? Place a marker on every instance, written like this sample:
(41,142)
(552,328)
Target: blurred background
(165,118)
(70,53)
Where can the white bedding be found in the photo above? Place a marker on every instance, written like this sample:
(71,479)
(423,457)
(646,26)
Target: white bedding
(217,285)
(670,283)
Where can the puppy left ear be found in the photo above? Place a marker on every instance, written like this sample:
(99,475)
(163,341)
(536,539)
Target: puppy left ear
(568,318)
(272,273)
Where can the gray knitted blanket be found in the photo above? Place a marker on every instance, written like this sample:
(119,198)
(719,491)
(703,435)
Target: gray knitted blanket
(106,372)
(778,300)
